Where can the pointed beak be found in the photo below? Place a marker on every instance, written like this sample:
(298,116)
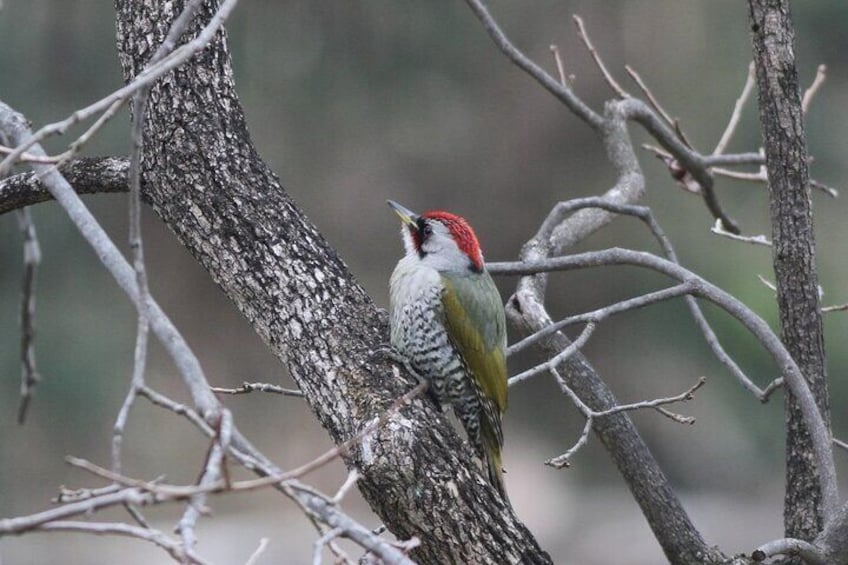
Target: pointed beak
(407,216)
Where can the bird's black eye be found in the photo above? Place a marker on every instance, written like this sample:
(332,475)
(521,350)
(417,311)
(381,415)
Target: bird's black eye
(424,228)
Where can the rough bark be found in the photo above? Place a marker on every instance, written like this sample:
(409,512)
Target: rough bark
(794,250)
(209,185)
(88,175)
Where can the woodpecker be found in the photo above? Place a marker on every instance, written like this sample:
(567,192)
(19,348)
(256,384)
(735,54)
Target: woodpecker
(447,321)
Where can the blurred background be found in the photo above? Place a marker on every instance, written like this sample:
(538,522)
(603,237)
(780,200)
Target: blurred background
(355,102)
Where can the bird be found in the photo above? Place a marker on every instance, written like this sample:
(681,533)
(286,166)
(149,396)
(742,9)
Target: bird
(447,323)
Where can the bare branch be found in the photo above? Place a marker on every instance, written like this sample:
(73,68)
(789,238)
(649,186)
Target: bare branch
(175,59)
(649,95)
(352,476)
(675,417)
(75,495)
(768,284)
(139,103)
(644,214)
(657,402)
(78,144)
(835,308)
(737,111)
(32,258)
(164,402)
(26,157)
(557,359)
(207,406)
(821,76)
(771,387)
(213,486)
(791,548)
(115,263)
(819,433)
(564,460)
(561,92)
(753,239)
(595,317)
(212,473)
(247,387)
(88,175)
(315,506)
(829,190)
(254,557)
(117,528)
(25,523)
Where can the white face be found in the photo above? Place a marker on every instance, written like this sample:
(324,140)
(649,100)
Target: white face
(438,247)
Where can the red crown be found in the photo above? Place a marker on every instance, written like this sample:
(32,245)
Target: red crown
(462,233)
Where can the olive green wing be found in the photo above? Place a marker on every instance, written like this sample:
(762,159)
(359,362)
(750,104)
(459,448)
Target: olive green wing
(476,324)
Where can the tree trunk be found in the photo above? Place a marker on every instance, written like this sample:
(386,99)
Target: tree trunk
(794,251)
(206,181)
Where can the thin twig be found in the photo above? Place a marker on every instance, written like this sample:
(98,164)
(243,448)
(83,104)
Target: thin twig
(174,491)
(835,308)
(770,285)
(601,314)
(682,397)
(562,93)
(352,477)
(753,239)
(212,473)
(254,557)
(551,363)
(564,460)
(581,32)
(737,111)
(28,158)
(180,409)
(649,95)
(771,387)
(821,76)
(318,545)
(560,68)
(678,129)
(75,495)
(760,176)
(117,528)
(675,417)
(136,515)
(32,258)
(80,141)
(829,190)
(247,387)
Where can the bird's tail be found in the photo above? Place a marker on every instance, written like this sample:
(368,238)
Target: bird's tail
(495,467)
